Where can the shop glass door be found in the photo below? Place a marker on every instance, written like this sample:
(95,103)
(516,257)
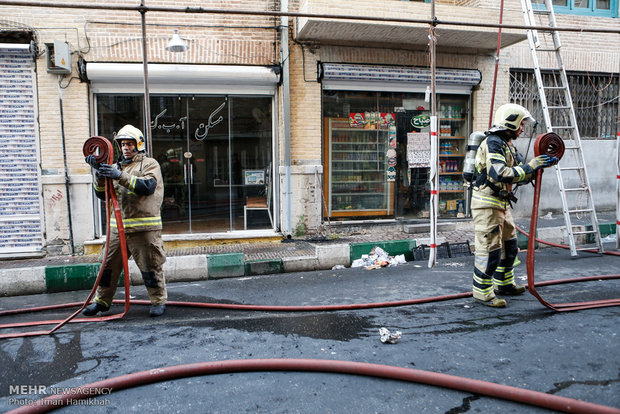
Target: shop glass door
(191,143)
(169,129)
(215,153)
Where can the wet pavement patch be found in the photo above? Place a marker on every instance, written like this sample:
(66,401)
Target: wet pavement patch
(42,360)
(331,326)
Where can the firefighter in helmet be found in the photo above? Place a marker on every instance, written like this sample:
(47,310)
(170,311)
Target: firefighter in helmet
(498,167)
(139,186)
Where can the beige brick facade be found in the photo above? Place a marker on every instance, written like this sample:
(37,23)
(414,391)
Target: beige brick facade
(115,36)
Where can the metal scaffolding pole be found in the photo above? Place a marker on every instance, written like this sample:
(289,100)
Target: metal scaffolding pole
(273,13)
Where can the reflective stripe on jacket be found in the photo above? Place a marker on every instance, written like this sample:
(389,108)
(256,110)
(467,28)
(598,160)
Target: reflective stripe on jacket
(496,157)
(139,212)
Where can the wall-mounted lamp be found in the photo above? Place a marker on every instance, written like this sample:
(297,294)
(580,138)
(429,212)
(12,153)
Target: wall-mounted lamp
(176,44)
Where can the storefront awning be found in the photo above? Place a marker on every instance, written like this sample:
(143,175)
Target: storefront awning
(356,34)
(193,79)
(345,76)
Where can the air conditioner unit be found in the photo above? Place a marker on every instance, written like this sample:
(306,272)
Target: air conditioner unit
(58,57)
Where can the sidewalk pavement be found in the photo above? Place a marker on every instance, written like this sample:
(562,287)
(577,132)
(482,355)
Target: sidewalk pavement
(346,242)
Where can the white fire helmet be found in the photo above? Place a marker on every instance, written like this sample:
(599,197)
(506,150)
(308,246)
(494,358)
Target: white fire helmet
(133,133)
(510,116)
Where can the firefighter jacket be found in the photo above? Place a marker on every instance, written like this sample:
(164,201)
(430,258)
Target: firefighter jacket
(498,166)
(140,192)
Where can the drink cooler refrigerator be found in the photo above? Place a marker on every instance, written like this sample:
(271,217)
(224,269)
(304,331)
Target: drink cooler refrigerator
(355,177)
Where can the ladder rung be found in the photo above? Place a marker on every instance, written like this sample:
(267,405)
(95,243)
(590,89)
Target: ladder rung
(540,11)
(554,87)
(547,49)
(576,189)
(580,249)
(572,147)
(558,107)
(562,127)
(583,210)
(571,168)
(585,232)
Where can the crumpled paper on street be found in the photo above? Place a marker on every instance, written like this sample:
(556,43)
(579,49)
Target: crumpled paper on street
(378,258)
(388,337)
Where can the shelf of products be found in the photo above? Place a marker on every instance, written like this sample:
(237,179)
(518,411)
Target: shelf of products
(453,131)
(356,170)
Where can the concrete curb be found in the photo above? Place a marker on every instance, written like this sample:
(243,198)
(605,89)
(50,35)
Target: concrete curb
(59,278)
(14,282)
(48,279)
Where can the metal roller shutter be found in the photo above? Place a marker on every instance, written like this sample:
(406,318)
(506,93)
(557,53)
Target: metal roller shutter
(21,222)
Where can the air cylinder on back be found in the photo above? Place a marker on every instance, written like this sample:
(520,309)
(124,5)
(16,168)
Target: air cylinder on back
(469,166)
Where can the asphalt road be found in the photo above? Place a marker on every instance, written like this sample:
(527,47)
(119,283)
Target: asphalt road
(570,354)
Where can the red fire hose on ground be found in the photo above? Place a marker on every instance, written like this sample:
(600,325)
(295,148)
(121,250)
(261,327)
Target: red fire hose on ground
(520,395)
(550,144)
(546,145)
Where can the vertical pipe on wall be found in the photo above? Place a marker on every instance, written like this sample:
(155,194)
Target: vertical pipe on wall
(286,118)
(147,100)
(64,159)
(499,44)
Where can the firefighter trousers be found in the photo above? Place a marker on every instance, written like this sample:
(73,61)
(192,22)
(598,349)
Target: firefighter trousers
(496,250)
(147,250)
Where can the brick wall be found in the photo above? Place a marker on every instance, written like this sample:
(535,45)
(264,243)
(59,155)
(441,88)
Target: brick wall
(594,52)
(114,36)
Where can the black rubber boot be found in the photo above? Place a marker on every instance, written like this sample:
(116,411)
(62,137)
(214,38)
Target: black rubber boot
(94,308)
(510,290)
(157,310)
(494,303)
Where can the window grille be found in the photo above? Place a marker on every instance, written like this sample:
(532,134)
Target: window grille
(595,100)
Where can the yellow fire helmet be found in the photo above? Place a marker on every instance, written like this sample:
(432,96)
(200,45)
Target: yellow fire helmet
(509,116)
(131,132)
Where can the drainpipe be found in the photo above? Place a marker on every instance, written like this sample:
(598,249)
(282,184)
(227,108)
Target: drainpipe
(286,117)
(64,158)
(147,99)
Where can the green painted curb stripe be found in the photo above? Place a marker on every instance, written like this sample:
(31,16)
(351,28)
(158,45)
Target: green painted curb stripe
(392,247)
(225,265)
(263,267)
(71,277)
(607,228)
(522,241)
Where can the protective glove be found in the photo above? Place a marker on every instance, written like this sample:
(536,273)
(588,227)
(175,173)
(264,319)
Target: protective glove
(109,171)
(90,160)
(542,161)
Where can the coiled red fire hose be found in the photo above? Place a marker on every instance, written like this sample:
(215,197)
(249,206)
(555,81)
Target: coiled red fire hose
(101,148)
(520,395)
(552,145)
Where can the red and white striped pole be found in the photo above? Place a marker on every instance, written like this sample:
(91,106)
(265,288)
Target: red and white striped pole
(434,181)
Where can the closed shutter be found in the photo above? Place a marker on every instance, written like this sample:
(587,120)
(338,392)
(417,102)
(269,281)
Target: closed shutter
(21,223)
(357,77)
(183,79)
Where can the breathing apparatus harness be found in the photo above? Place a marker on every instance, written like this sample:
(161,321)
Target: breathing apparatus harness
(478,179)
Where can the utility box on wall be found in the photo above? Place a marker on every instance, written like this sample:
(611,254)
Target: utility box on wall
(58,57)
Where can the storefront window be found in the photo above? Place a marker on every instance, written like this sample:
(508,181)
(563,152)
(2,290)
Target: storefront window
(377,154)
(215,153)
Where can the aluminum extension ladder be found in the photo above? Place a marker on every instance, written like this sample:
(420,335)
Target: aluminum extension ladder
(559,116)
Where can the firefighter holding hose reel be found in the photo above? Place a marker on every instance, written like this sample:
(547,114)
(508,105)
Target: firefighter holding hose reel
(139,186)
(493,171)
